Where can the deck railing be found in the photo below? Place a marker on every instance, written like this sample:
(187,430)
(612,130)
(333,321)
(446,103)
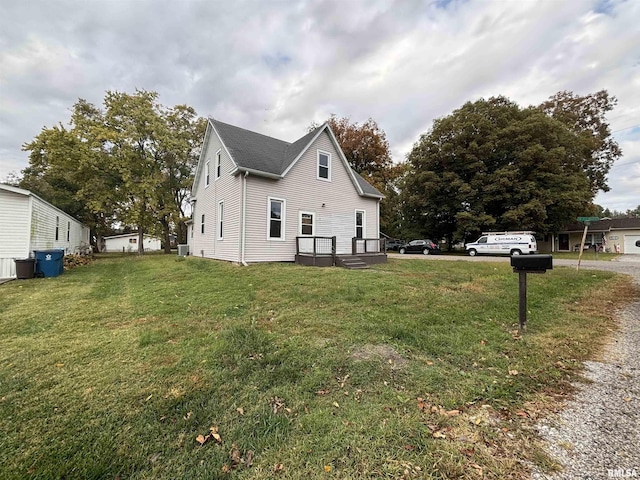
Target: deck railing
(316,246)
(367,245)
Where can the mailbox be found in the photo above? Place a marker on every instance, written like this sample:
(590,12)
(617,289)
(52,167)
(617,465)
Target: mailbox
(531,263)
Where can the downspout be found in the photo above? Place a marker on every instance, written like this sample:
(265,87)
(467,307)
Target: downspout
(244,219)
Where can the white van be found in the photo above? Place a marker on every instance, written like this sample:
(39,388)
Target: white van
(503,243)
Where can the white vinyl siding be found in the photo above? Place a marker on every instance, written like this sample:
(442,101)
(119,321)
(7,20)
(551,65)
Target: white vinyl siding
(128,243)
(28,223)
(332,202)
(228,188)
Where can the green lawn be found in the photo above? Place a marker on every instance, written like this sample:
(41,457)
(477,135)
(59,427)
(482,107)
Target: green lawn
(407,370)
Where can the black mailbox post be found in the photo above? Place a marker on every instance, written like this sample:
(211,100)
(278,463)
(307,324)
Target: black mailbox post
(523,264)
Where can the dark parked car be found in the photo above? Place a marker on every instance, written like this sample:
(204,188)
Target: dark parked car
(393,244)
(426,247)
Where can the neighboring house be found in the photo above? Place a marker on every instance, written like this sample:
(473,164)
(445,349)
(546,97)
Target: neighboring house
(259,199)
(28,223)
(618,235)
(128,242)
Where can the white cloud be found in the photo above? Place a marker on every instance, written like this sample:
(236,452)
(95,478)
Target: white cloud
(277,66)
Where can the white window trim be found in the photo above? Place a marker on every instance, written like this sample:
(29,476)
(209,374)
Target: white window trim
(220,220)
(313,224)
(364,222)
(207,177)
(281,238)
(202,224)
(328,154)
(218,165)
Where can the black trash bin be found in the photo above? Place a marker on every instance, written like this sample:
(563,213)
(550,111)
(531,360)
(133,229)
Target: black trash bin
(25,268)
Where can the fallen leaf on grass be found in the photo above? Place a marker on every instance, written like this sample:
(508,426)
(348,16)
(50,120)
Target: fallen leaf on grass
(422,406)
(477,467)
(323,392)
(513,372)
(522,414)
(240,410)
(59,365)
(336,404)
(438,434)
(278,467)
(215,435)
(327,468)
(201,439)
(452,413)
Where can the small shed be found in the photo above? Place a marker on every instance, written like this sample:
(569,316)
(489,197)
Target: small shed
(128,243)
(29,223)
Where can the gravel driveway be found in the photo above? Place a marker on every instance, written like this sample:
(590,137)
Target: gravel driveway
(597,435)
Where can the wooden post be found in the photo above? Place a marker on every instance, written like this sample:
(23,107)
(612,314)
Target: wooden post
(584,237)
(523,301)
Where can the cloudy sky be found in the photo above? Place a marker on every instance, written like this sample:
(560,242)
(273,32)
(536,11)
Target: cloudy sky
(275,66)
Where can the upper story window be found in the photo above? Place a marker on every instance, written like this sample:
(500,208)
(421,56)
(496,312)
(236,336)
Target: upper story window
(276,219)
(68,231)
(57,228)
(218,164)
(206,174)
(202,224)
(324,165)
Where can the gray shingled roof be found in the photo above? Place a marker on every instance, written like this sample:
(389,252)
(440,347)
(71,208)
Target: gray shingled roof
(605,225)
(261,153)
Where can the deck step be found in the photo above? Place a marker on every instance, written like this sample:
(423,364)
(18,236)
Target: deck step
(353,263)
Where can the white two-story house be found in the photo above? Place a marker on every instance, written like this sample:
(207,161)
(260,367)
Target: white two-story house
(259,199)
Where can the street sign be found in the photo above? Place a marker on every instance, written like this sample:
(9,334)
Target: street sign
(588,219)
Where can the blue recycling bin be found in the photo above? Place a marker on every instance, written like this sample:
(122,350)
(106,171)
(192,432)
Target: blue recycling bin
(49,263)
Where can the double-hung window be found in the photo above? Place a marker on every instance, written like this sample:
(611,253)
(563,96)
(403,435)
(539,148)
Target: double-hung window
(307,223)
(324,166)
(202,225)
(68,231)
(57,228)
(218,164)
(276,219)
(360,223)
(220,220)
(206,176)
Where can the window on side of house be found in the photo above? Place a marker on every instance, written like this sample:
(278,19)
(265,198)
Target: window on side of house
(202,224)
(221,220)
(360,223)
(206,174)
(57,228)
(133,240)
(68,231)
(218,164)
(307,227)
(324,166)
(276,217)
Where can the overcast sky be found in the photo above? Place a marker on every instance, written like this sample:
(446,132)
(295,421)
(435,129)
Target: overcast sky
(276,66)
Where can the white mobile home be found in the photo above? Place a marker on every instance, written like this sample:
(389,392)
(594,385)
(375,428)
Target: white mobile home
(128,243)
(28,223)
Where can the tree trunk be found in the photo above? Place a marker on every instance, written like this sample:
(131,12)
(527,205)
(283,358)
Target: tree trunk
(167,235)
(181,233)
(140,240)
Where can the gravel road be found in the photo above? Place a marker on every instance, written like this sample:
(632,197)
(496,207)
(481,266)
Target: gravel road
(597,434)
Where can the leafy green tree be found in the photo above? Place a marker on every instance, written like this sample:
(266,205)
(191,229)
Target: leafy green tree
(131,163)
(585,115)
(492,165)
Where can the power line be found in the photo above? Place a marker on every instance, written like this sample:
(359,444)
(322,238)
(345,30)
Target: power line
(626,128)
